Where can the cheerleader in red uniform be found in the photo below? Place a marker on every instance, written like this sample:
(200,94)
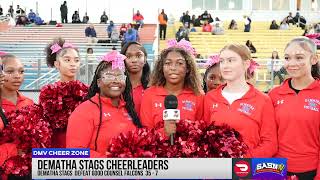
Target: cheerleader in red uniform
(241,106)
(297,106)
(212,77)
(175,73)
(109,110)
(11,79)
(138,69)
(65,58)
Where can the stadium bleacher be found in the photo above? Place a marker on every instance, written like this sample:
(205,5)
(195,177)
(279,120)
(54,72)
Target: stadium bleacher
(28,43)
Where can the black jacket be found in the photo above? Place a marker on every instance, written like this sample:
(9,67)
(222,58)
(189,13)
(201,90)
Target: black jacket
(64,9)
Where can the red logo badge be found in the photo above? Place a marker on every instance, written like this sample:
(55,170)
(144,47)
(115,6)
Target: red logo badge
(242,168)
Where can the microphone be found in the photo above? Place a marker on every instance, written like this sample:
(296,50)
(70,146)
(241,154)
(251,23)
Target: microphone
(170,115)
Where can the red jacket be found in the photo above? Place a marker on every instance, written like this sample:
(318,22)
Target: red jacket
(190,105)
(252,116)
(298,121)
(8,150)
(22,101)
(137,94)
(138,18)
(84,121)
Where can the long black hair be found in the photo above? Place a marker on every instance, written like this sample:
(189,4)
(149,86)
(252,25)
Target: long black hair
(145,78)
(127,96)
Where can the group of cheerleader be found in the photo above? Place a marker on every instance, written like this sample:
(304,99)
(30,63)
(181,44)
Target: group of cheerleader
(124,94)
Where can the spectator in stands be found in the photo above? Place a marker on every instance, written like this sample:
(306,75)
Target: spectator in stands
(1,11)
(277,67)
(139,70)
(182,33)
(91,34)
(310,29)
(199,56)
(11,11)
(251,46)
(64,12)
(163,20)
(22,21)
(183,14)
(130,35)
(210,19)
(123,30)
(186,20)
(205,16)
(274,25)
(193,18)
(301,21)
(247,24)
(91,59)
(110,28)
(76,17)
(218,30)
(138,18)
(206,27)
(284,25)
(317,28)
(19,10)
(85,19)
(289,18)
(39,21)
(296,18)
(114,38)
(104,18)
(32,16)
(233,25)
(197,22)
(192,28)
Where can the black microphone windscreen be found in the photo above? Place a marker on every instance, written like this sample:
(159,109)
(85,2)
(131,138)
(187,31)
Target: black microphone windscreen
(171,102)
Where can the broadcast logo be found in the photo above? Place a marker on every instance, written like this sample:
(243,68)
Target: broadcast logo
(241,168)
(274,168)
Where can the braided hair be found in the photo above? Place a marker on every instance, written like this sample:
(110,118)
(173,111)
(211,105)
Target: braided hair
(127,95)
(146,68)
(205,88)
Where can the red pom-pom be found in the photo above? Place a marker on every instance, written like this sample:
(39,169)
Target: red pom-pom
(58,101)
(18,165)
(192,139)
(28,128)
(222,141)
(136,143)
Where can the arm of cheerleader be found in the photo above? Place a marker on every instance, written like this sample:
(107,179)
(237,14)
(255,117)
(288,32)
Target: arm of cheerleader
(80,131)
(7,150)
(268,145)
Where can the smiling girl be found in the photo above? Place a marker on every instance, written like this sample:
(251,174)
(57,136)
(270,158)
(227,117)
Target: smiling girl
(175,73)
(239,105)
(109,110)
(297,105)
